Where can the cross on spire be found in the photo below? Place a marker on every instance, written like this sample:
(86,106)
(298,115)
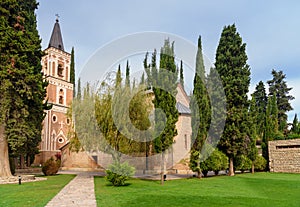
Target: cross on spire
(57,17)
(61,124)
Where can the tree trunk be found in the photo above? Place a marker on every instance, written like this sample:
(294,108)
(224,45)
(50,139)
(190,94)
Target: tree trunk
(4,159)
(162,165)
(22,162)
(252,169)
(231,170)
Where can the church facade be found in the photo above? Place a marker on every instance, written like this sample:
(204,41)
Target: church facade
(56,69)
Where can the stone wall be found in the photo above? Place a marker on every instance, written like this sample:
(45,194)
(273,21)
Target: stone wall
(284,156)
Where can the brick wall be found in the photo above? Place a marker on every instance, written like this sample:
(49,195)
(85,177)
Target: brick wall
(284,156)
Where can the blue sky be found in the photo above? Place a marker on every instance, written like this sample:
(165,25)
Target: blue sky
(271,29)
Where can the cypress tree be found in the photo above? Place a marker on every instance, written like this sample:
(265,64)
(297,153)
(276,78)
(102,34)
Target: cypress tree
(181,79)
(127,78)
(261,99)
(231,64)
(78,89)
(295,128)
(279,87)
(164,98)
(200,109)
(22,86)
(72,70)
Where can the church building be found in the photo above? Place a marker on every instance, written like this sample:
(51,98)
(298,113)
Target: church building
(56,69)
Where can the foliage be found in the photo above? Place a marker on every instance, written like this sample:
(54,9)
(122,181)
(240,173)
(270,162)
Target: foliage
(117,173)
(216,162)
(181,78)
(51,166)
(231,64)
(22,87)
(200,110)
(242,163)
(278,87)
(260,163)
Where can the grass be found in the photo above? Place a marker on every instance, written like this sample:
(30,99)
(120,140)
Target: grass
(33,193)
(260,189)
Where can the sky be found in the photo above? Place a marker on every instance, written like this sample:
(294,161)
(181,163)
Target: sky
(270,29)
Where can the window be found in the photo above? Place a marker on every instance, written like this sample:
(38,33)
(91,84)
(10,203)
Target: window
(68,121)
(54,118)
(60,140)
(61,96)
(60,70)
(185,142)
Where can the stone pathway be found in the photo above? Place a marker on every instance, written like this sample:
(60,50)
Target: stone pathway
(79,192)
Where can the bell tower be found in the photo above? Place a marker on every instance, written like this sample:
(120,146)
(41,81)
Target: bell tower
(56,69)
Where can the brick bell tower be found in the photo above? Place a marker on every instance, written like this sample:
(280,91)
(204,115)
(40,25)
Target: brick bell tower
(56,69)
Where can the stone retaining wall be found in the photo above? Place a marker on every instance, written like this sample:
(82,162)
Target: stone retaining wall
(284,156)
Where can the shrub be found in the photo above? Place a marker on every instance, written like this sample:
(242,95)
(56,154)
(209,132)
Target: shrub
(215,162)
(51,166)
(260,163)
(117,173)
(242,163)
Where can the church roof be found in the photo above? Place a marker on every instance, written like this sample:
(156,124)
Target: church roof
(56,37)
(182,109)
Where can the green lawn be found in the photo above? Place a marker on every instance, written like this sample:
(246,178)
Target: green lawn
(34,193)
(260,189)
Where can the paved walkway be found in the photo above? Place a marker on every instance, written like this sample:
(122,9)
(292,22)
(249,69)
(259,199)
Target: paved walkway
(79,192)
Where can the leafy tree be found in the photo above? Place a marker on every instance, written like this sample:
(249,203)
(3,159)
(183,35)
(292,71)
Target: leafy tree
(279,87)
(231,64)
(295,126)
(271,126)
(72,70)
(164,83)
(261,100)
(253,114)
(200,109)
(22,86)
(127,80)
(181,78)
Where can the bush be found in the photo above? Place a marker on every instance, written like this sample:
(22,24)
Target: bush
(260,163)
(242,163)
(117,173)
(215,162)
(51,166)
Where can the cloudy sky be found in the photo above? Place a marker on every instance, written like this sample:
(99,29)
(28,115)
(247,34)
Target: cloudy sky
(271,29)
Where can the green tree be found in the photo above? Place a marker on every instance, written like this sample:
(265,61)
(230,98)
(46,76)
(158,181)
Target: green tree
(253,115)
(279,87)
(164,86)
(200,109)
(231,64)
(181,78)
(271,126)
(22,86)
(295,126)
(261,99)
(72,70)
(78,95)
(127,80)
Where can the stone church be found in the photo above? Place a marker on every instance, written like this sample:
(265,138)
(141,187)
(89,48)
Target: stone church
(56,68)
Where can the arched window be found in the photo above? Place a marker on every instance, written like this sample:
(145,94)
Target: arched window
(60,70)
(61,96)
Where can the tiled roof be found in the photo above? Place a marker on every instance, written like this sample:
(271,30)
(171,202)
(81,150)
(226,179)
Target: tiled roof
(182,109)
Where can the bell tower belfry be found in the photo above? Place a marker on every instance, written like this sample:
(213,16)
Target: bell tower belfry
(56,69)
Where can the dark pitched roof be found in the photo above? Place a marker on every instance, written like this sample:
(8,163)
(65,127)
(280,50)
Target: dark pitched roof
(56,38)
(182,109)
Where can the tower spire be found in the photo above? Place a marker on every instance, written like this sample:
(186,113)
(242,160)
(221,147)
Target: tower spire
(56,37)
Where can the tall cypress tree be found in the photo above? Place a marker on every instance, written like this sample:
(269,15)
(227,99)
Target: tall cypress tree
(261,100)
(72,70)
(200,109)
(127,78)
(279,87)
(231,64)
(164,98)
(181,78)
(22,86)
